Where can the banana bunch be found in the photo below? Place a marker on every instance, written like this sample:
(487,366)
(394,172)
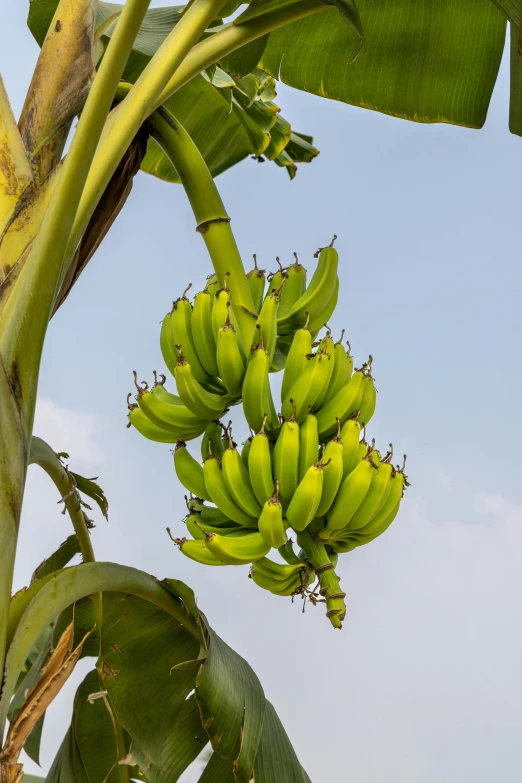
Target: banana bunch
(307,467)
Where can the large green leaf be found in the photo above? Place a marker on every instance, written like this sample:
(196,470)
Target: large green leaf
(260,8)
(515,103)
(430,61)
(511,8)
(276,758)
(32,779)
(59,559)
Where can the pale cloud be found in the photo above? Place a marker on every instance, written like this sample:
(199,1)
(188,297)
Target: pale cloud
(69,430)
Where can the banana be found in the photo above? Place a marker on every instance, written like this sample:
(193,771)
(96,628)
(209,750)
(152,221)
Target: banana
(287,553)
(349,497)
(300,350)
(285,460)
(213,433)
(256,279)
(305,501)
(324,315)
(278,361)
(145,427)
(267,321)
(237,550)
(333,473)
(350,434)
(201,402)
(260,466)
(342,406)
(181,321)
(245,452)
(218,491)
(276,279)
(220,310)
(175,417)
(209,514)
(328,346)
(167,345)
(230,358)
(340,375)
(374,499)
(369,398)
(197,551)
(285,588)
(271,524)
(308,444)
(308,386)
(293,288)
(237,481)
(189,471)
(212,285)
(203,333)
(256,387)
(383,518)
(198,530)
(279,572)
(318,294)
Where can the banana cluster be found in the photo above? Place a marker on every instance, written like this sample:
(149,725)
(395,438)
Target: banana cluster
(307,468)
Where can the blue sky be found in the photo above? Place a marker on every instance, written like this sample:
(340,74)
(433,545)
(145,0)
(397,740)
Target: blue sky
(424,682)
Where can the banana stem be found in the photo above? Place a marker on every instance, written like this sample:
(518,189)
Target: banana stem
(329,581)
(212,220)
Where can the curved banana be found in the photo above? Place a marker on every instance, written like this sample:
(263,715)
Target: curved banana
(318,294)
(279,572)
(333,474)
(270,523)
(288,554)
(324,315)
(308,386)
(284,588)
(340,375)
(203,333)
(305,501)
(382,519)
(256,280)
(300,350)
(328,347)
(230,358)
(276,279)
(189,471)
(293,288)
(260,466)
(167,344)
(256,386)
(343,405)
(349,497)
(213,433)
(267,322)
(237,550)
(237,481)
(308,444)
(369,397)
(170,416)
(218,491)
(182,333)
(201,402)
(374,499)
(209,514)
(197,551)
(245,452)
(199,530)
(285,460)
(145,427)
(350,434)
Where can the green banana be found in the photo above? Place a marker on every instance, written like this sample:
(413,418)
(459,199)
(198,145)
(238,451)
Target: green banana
(379,522)
(218,491)
(368,401)
(213,433)
(237,481)
(333,473)
(293,288)
(230,359)
(374,499)
(145,427)
(276,279)
(199,530)
(220,307)
(271,524)
(189,471)
(167,345)
(349,497)
(256,387)
(287,553)
(256,279)
(324,315)
(260,466)
(209,514)
(318,294)
(305,501)
(267,322)
(175,417)
(237,550)
(245,452)
(327,345)
(197,551)
(201,402)
(285,460)
(182,334)
(350,434)
(203,333)
(308,444)
(340,375)
(279,572)
(300,350)
(342,406)
(287,587)
(308,386)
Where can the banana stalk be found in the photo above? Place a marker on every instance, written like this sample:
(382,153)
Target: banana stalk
(323,567)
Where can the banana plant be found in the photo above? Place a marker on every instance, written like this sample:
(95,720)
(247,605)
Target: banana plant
(182,93)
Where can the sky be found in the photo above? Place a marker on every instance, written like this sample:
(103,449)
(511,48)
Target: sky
(425,680)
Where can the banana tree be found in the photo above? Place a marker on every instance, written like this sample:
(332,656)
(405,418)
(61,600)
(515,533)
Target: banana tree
(142,82)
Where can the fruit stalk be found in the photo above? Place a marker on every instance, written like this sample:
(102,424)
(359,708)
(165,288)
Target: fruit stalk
(212,220)
(328,579)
